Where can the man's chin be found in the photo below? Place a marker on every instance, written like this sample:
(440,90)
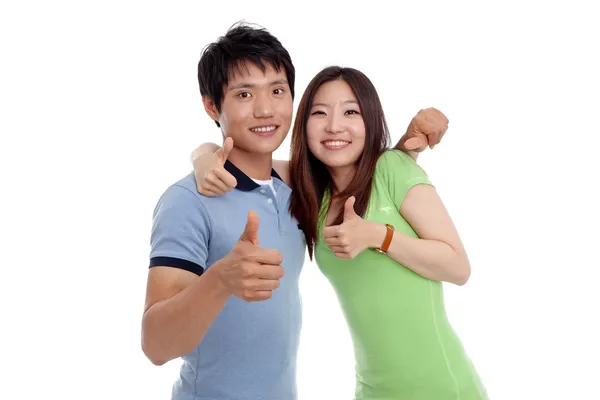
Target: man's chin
(266,147)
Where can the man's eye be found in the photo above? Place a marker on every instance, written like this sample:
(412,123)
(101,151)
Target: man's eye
(278,91)
(244,95)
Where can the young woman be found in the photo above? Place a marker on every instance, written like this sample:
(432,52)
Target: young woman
(381,235)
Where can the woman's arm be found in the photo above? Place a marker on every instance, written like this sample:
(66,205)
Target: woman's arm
(438,252)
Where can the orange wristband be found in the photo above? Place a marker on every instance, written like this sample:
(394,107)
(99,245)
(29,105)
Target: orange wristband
(388,239)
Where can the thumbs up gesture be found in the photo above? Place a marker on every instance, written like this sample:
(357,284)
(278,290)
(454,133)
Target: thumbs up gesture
(251,272)
(426,129)
(212,179)
(352,236)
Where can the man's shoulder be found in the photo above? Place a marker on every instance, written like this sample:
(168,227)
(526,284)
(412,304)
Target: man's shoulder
(182,193)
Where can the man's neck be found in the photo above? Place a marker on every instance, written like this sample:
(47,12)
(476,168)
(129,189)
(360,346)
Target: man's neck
(341,177)
(256,166)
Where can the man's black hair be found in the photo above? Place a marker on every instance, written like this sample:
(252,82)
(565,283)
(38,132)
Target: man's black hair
(242,43)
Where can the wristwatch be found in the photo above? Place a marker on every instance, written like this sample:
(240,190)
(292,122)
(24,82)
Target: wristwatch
(388,239)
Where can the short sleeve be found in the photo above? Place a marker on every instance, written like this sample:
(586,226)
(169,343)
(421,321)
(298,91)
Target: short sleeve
(180,231)
(399,172)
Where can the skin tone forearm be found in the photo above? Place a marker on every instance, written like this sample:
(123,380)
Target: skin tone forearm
(436,252)
(174,326)
(400,146)
(431,259)
(203,149)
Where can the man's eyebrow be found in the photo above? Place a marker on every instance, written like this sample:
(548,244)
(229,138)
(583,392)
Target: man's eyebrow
(279,82)
(325,105)
(250,86)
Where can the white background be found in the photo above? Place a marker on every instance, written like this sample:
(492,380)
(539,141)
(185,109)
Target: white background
(100,108)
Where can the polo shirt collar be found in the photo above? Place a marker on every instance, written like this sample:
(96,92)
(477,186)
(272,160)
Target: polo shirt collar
(244,182)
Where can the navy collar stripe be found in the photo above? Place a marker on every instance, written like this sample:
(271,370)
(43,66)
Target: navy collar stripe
(244,182)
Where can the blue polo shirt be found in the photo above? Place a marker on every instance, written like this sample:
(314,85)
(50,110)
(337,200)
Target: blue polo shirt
(249,353)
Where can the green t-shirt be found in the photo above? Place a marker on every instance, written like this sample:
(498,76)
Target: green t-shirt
(404,346)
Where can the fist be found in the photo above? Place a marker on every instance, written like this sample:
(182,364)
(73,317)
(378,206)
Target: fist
(426,129)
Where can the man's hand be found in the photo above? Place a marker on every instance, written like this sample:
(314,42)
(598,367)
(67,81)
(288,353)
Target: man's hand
(212,179)
(426,129)
(251,273)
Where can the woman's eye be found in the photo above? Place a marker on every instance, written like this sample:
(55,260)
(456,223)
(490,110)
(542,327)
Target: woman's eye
(352,112)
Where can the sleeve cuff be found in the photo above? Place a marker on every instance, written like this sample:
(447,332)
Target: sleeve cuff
(177,263)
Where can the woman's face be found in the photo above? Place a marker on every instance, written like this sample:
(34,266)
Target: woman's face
(335,129)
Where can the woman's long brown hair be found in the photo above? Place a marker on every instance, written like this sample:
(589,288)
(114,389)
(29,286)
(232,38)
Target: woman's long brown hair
(310,177)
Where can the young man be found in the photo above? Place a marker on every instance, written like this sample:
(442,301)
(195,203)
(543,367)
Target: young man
(224,271)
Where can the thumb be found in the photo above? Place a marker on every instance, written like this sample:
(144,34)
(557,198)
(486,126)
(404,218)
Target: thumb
(224,151)
(251,232)
(349,212)
(415,143)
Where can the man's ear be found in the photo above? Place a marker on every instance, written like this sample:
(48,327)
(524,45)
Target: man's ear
(210,108)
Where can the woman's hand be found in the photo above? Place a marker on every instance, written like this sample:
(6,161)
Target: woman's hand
(354,235)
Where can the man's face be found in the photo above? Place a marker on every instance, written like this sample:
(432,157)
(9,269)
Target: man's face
(257,108)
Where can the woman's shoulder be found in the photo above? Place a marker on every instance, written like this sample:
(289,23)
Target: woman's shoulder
(395,160)
(397,171)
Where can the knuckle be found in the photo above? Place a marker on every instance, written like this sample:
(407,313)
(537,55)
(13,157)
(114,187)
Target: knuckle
(249,253)
(246,269)
(278,258)
(244,284)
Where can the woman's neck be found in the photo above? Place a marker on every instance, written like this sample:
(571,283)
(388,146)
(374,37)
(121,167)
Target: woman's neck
(341,177)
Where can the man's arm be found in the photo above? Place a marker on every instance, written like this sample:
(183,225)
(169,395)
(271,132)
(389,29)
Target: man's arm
(173,323)
(180,307)
(282,167)
(204,148)
(212,179)
(183,298)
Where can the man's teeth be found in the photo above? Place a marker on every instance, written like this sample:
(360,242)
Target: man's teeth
(335,143)
(264,129)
